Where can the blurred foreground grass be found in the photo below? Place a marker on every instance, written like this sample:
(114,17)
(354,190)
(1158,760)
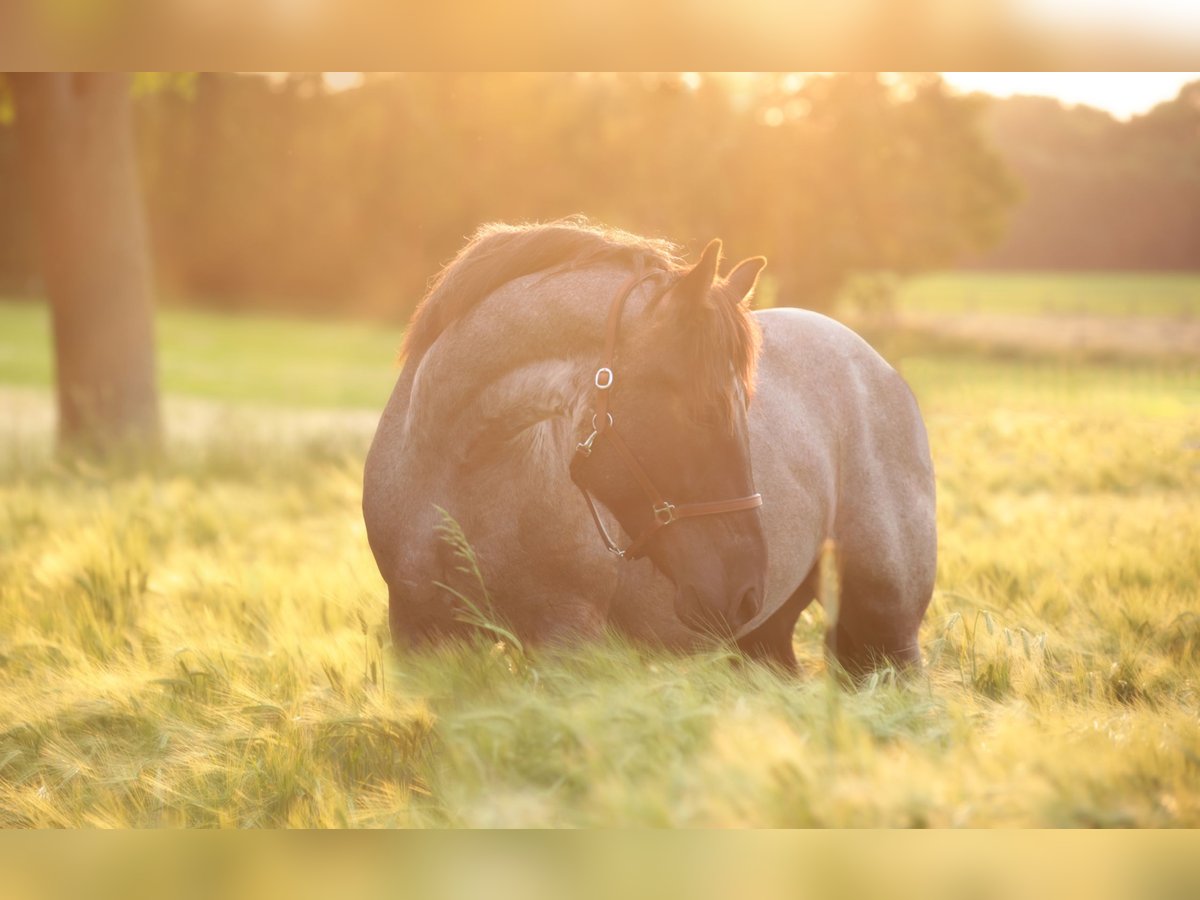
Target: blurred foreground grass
(632,864)
(206,644)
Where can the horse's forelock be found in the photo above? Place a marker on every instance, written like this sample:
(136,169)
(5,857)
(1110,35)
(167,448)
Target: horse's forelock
(743,340)
(720,354)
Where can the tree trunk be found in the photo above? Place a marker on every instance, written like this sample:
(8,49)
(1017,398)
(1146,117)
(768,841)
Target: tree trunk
(75,133)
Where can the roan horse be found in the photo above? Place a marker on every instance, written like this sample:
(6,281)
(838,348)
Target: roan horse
(559,377)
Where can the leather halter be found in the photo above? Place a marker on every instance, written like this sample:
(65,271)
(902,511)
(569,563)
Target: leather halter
(603,425)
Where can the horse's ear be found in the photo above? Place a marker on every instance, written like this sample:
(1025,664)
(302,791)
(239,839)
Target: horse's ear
(693,288)
(740,283)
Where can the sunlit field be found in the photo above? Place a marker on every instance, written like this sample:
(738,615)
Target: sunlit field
(1139,294)
(206,644)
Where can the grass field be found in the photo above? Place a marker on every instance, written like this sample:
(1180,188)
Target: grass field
(205,644)
(1122,294)
(248,358)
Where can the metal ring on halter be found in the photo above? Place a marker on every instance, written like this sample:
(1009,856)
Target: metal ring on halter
(665,514)
(603,374)
(595,427)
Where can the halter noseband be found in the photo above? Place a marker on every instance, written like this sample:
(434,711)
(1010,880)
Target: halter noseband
(665,512)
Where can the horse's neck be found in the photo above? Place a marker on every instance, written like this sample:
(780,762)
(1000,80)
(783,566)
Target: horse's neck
(536,317)
(526,322)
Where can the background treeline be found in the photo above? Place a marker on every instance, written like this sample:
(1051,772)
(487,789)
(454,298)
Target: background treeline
(281,193)
(1100,193)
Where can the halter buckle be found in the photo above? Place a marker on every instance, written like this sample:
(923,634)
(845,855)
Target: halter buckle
(585,447)
(665,514)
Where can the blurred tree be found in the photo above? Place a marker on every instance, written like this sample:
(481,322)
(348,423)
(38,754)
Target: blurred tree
(877,179)
(1100,193)
(285,192)
(76,143)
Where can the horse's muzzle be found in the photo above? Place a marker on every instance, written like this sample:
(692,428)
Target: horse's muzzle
(700,613)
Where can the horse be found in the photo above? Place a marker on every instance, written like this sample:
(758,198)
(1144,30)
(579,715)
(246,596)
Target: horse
(563,383)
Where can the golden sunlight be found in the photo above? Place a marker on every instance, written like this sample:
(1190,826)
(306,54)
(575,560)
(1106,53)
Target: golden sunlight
(1123,94)
(940,572)
(342,81)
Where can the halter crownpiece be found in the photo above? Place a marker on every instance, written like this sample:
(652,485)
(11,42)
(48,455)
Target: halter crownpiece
(603,425)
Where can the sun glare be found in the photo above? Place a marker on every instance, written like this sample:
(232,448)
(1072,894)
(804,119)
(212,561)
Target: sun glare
(1123,94)
(342,81)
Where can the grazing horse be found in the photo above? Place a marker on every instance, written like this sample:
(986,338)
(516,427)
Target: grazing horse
(568,389)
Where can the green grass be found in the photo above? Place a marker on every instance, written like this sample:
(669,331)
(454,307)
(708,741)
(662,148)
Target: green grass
(297,362)
(969,384)
(205,644)
(1039,293)
(278,360)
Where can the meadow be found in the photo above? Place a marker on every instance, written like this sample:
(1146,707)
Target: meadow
(205,643)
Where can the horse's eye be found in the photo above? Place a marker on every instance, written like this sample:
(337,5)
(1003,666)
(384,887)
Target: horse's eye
(492,438)
(488,439)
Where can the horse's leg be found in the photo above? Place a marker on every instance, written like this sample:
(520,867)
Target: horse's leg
(421,619)
(878,620)
(771,642)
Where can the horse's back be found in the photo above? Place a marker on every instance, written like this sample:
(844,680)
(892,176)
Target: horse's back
(830,375)
(841,441)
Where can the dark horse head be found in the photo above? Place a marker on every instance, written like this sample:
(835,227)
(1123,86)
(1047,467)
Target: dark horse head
(671,445)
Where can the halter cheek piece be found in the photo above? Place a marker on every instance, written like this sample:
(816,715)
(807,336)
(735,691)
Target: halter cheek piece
(603,425)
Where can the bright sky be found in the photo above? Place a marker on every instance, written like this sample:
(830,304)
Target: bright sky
(1121,93)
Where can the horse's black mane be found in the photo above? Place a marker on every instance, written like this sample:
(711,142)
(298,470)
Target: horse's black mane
(498,253)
